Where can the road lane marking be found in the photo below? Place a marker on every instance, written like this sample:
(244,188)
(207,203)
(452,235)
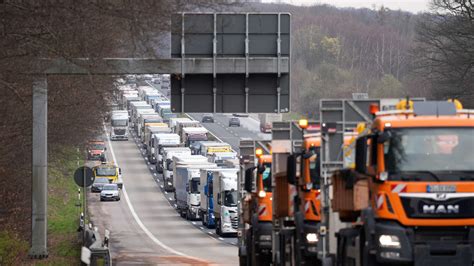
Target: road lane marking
(202,228)
(211,233)
(171,198)
(154,174)
(161,186)
(220,238)
(193,223)
(166,192)
(140,223)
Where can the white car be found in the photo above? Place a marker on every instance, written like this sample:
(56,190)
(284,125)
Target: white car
(110,192)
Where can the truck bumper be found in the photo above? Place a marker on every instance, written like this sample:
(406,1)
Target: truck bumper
(119,137)
(228,229)
(426,246)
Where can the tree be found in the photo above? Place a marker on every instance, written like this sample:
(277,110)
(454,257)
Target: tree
(445,49)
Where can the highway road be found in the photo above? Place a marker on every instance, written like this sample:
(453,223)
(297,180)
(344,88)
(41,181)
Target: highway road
(145,228)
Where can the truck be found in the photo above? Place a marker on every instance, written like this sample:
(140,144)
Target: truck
(159,142)
(174,122)
(119,126)
(167,164)
(206,210)
(110,171)
(136,115)
(257,210)
(209,147)
(266,121)
(186,181)
(190,135)
(225,194)
(412,188)
(145,119)
(180,125)
(150,130)
(221,158)
(166,113)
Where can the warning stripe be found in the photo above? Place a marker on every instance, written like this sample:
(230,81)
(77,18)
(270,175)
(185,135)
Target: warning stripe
(379,201)
(262,209)
(399,188)
(306,206)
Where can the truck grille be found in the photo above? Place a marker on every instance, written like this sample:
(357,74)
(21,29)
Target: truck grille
(119,131)
(235,222)
(423,235)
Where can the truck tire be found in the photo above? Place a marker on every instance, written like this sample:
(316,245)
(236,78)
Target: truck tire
(218,227)
(204,220)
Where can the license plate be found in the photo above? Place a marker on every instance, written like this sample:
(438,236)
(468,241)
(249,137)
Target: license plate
(440,188)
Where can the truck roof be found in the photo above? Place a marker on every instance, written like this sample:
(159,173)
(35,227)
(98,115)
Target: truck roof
(198,130)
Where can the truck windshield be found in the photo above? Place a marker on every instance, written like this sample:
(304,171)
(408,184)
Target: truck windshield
(119,122)
(230,198)
(267,177)
(195,182)
(105,172)
(96,146)
(441,152)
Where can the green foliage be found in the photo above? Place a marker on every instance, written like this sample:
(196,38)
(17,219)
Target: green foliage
(11,248)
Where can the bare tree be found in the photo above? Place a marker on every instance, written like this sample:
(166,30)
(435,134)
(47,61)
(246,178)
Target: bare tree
(445,49)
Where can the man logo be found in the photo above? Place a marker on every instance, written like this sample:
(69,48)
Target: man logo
(440,209)
(441,196)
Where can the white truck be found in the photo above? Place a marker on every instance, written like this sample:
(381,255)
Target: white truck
(168,163)
(189,135)
(150,129)
(119,126)
(266,121)
(186,180)
(220,158)
(159,142)
(180,125)
(174,122)
(206,209)
(135,116)
(225,196)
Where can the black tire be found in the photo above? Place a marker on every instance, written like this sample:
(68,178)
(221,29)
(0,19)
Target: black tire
(218,228)
(182,214)
(367,259)
(188,215)
(118,199)
(203,220)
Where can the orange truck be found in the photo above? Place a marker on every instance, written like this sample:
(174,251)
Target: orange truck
(257,211)
(410,197)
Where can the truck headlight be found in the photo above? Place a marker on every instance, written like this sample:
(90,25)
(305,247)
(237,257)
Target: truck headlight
(389,241)
(169,184)
(312,237)
(262,194)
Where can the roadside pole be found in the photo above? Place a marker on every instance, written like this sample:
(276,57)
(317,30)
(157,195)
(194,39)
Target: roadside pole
(39,193)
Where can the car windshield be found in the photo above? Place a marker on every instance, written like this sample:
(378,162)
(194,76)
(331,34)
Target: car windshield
(267,177)
(105,171)
(435,150)
(96,146)
(119,122)
(230,198)
(101,181)
(195,182)
(110,187)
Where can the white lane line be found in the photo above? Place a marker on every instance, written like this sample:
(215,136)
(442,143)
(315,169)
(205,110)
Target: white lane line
(211,233)
(148,163)
(139,222)
(154,174)
(158,180)
(220,238)
(193,223)
(176,206)
(166,192)
(171,198)
(151,168)
(161,186)
(202,228)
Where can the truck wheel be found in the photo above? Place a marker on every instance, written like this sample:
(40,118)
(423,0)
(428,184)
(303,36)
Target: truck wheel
(218,228)
(366,258)
(204,220)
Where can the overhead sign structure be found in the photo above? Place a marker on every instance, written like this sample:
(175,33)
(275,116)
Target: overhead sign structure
(247,66)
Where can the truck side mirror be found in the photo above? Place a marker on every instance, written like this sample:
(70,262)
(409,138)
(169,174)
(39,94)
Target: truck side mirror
(291,169)
(248,179)
(120,171)
(361,155)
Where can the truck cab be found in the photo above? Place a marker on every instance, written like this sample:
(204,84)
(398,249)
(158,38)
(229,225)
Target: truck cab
(161,141)
(96,150)
(119,126)
(225,194)
(415,170)
(110,171)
